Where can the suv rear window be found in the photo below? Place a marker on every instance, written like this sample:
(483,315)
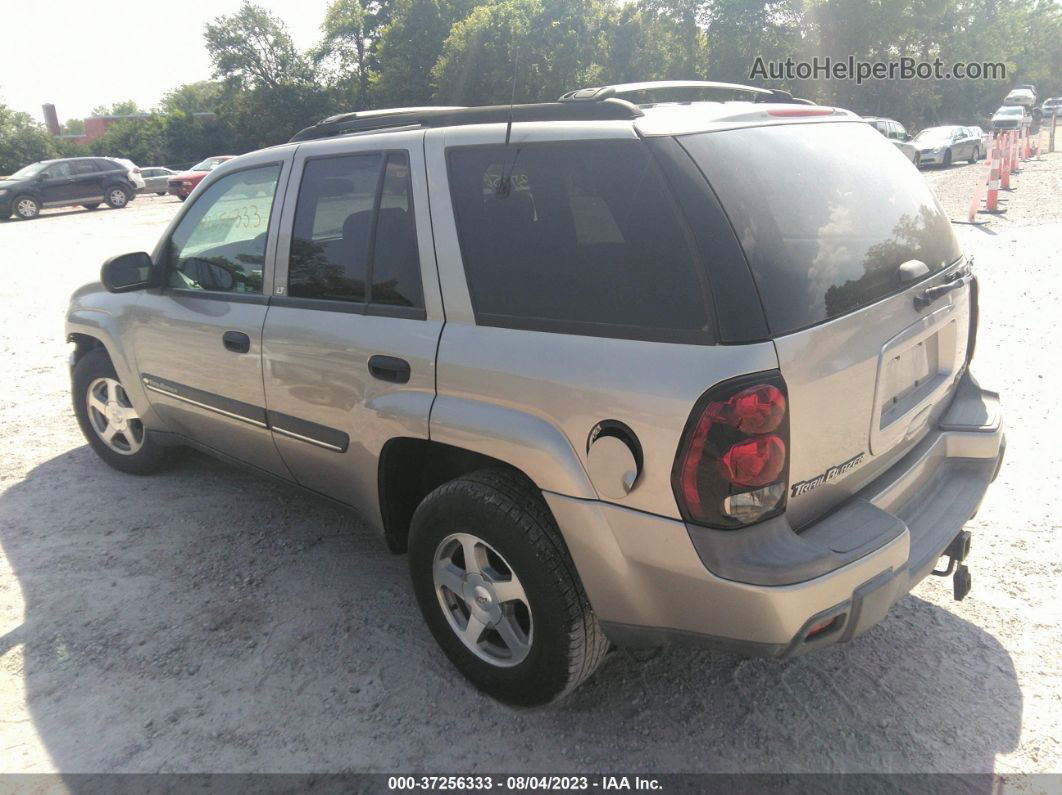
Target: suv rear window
(826,214)
(586,241)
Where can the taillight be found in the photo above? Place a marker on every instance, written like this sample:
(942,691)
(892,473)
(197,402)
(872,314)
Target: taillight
(732,466)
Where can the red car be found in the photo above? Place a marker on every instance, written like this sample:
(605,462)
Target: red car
(182,184)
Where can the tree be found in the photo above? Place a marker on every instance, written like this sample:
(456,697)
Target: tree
(22,140)
(348,49)
(561,46)
(201,96)
(141,140)
(74,127)
(409,47)
(252,49)
(124,108)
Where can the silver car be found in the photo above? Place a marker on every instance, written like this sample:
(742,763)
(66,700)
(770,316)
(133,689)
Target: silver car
(946,145)
(155,179)
(592,365)
(896,133)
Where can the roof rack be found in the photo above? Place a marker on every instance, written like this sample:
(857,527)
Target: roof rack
(599,93)
(371,120)
(678,91)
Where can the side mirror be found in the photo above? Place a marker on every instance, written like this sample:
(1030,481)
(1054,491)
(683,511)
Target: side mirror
(908,137)
(127,272)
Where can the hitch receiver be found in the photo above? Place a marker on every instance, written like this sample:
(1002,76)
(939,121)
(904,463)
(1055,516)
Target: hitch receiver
(961,583)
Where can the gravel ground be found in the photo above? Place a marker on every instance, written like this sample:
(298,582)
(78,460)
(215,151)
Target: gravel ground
(208,620)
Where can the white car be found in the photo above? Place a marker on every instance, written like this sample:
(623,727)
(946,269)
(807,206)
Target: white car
(1025,97)
(134,172)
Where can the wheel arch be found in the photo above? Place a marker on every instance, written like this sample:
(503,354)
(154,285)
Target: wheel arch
(409,469)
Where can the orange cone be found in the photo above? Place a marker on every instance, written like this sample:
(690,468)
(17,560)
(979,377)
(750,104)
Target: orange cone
(992,199)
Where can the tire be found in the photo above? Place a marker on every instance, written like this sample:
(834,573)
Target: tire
(25,208)
(160,193)
(130,449)
(182,198)
(517,544)
(91,206)
(947,159)
(975,156)
(117,197)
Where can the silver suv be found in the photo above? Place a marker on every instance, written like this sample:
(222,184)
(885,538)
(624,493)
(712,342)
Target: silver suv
(612,374)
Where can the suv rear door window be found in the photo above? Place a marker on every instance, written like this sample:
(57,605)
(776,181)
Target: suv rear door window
(577,238)
(824,217)
(354,225)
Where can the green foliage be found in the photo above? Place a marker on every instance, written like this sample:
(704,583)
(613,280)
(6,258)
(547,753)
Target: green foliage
(22,140)
(125,108)
(252,49)
(391,53)
(557,44)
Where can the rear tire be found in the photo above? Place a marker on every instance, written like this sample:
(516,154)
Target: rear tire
(117,197)
(526,649)
(182,198)
(160,193)
(110,423)
(25,208)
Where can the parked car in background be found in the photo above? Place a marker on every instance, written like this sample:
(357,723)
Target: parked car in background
(1009,117)
(156,179)
(134,171)
(1021,95)
(88,181)
(575,454)
(184,183)
(896,133)
(1051,106)
(946,145)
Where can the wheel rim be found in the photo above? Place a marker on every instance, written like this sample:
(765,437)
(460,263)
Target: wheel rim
(118,197)
(27,208)
(113,417)
(483,600)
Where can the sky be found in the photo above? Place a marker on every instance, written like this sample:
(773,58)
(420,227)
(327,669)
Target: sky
(78,54)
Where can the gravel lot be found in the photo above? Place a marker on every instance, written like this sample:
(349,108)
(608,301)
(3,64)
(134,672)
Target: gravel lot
(207,620)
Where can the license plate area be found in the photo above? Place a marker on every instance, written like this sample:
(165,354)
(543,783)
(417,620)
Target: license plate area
(915,370)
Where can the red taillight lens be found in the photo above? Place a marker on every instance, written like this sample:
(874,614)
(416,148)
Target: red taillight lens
(754,462)
(732,467)
(759,409)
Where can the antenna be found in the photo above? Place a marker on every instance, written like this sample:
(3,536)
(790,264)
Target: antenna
(505,182)
(512,96)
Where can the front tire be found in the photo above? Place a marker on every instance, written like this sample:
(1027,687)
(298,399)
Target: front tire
(975,156)
(947,159)
(109,421)
(499,591)
(25,208)
(91,206)
(117,197)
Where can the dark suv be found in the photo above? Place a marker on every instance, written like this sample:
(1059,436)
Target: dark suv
(87,181)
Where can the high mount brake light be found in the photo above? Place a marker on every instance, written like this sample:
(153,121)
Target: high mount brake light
(732,467)
(801,112)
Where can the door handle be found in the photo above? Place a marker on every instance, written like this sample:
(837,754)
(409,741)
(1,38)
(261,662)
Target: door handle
(389,368)
(236,341)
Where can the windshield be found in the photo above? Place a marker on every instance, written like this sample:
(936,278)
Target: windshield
(826,214)
(209,164)
(934,134)
(28,171)
(1010,112)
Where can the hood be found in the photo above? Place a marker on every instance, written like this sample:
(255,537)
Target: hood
(10,183)
(925,146)
(189,175)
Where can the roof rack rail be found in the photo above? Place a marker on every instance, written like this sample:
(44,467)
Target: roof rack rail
(599,93)
(373,120)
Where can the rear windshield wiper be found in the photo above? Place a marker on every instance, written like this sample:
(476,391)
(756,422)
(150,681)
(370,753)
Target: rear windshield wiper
(959,278)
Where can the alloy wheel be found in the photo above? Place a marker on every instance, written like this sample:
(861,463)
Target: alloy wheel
(483,600)
(113,417)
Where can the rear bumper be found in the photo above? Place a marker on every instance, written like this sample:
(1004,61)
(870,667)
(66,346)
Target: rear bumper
(657,581)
